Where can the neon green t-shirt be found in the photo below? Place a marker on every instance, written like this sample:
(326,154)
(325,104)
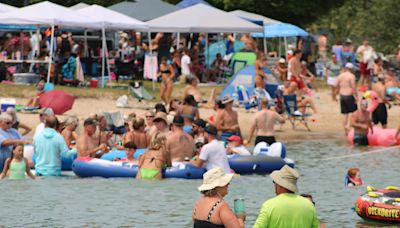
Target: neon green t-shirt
(287,210)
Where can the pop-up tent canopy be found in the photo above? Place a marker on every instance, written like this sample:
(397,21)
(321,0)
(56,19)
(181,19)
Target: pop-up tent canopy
(201,18)
(79,6)
(187,3)
(4,8)
(281,30)
(48,14)
(111,20)
(254,17)
(144,10)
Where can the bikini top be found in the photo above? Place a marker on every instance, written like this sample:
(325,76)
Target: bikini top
(165,71)
(207,223)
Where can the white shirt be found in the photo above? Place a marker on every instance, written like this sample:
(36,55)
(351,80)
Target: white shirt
(241,150)
(213,154)
(185,64)
(39,128)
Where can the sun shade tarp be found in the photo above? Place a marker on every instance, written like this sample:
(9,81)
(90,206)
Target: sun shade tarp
(281,30)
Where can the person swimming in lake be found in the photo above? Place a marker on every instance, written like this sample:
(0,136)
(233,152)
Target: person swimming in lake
(153,161)
(353,177)
(16,166)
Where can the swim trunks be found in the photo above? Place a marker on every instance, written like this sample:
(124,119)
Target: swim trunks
(299,81)
(268,139)
(226,135)
(347,104)
(380,114)
(363,69)
(148,174)
(360,140)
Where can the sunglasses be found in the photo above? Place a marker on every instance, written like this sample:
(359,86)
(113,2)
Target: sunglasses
(8,123)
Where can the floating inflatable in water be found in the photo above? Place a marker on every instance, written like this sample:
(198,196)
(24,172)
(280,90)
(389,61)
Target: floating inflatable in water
(373,97)
(380,205)
(93,167)
(380,137)
(111,155)
(265,159)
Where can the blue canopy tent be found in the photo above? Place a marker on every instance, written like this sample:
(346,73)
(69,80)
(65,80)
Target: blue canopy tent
(281,30)
(187,3)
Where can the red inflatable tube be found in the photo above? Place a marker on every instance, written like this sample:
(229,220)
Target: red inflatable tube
(380,137)
(372,209)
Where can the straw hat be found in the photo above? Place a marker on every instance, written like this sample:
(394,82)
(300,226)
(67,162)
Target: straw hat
(213,178)
(161,116)
(286,177)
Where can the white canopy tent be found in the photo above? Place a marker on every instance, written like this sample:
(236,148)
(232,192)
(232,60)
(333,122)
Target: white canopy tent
(48,14)
(111,20)
(4,8)
(201,18)
(254,16)
(79,6)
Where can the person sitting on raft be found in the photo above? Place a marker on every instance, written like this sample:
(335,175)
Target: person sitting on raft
(154,160)
(235,146)
(212,154)
(361,122)
(162,125)
(211,210)
(16,165)
(138,135)
(34,102)
(263,124)
(88,145)
(189,112)
(69,132)
(353,177)
(227,121)
(198,130)
(179,145)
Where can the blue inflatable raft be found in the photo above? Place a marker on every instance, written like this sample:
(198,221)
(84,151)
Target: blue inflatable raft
(93,167)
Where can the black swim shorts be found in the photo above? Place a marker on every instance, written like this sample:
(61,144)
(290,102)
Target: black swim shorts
(380,114)
(267,139)
(347,104)
(360,140)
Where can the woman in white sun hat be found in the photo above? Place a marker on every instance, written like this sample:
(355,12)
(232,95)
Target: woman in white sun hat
(211,210)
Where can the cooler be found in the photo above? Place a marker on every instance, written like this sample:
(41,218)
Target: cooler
(94,83)
(7,102)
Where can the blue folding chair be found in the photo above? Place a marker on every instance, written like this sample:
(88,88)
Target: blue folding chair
(294,115)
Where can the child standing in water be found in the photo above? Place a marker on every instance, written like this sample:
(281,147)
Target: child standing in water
(17,165)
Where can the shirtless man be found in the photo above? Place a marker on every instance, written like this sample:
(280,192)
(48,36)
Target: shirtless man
(249,43)
(295,71)
(179,145)
(263,125)
(138,135)
(227,121)
(380,115)
(361,122)
(88,145)
(346,87)
(192,89)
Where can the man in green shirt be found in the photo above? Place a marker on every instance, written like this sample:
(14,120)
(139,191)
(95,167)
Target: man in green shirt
(287,209)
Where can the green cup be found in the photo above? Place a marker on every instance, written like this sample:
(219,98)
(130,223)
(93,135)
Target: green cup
(238,206)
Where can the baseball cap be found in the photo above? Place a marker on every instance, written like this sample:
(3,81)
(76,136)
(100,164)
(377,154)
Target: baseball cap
(178,120)
(349,66)
(211,129)
(235,138)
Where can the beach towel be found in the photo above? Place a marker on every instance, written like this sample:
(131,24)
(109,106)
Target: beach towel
(150,67)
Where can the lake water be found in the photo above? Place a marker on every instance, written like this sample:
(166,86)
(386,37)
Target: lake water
(97,202)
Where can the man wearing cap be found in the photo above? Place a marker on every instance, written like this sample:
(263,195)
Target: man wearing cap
(287,209)
(88,145)
(227,120)
(161,123)
(213,153)
(346,87)
(42,116)
(263,125)
(179,144)
(48,147)
(235,146)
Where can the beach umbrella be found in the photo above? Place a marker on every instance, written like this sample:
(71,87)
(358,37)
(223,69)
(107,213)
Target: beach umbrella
(58,100)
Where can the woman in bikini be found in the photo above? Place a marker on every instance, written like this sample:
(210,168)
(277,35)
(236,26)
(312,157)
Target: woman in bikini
(189,112)
(154,160)
(167,74)
(138,135)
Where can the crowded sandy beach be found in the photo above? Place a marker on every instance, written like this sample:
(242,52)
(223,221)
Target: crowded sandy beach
(115,118)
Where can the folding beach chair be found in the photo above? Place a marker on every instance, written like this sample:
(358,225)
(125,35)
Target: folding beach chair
(139,92)
(294,115)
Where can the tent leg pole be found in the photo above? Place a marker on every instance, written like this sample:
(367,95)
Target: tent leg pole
(265,45)
(85,43)
(279,47)
(151,52)
(103,53)
(107,63)
(51,53)
(178,37)
(285,39)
